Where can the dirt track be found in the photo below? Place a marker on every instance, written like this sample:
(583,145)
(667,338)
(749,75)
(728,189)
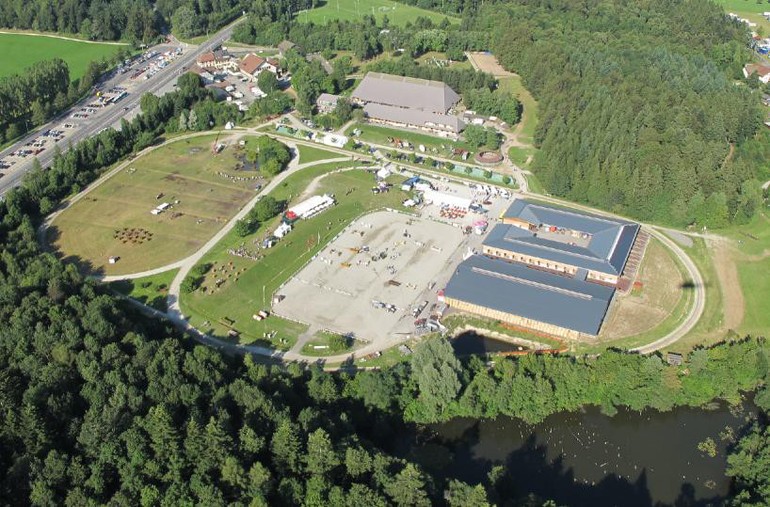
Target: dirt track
(727,272)
(487,63)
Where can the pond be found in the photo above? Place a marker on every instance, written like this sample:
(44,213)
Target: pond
(470,343)
(590,459)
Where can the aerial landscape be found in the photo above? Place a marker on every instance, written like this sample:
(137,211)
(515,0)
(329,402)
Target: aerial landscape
(385,252)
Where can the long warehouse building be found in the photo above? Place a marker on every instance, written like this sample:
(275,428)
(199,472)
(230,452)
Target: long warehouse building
(409,102)
(545,268)
(522,296)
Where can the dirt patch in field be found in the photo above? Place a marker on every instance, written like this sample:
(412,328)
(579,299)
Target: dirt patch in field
(485,62)
(650,302)
(727,272)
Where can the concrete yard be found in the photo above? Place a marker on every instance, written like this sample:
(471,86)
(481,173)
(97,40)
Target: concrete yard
(336,290)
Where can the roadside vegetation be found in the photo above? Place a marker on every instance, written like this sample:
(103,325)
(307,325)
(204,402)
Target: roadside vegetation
(325,343)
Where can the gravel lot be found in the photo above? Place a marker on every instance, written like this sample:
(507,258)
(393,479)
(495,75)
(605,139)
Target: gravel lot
(336,290)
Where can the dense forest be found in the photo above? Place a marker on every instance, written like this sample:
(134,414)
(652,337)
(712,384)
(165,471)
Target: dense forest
(365,37)
(135,21)
(639,108)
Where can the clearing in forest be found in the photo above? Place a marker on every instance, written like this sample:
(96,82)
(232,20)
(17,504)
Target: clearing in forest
(22,50)
(197,191)
(398,13)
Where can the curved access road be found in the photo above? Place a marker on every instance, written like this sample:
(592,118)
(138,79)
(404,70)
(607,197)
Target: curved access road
(698,305)
(698,287)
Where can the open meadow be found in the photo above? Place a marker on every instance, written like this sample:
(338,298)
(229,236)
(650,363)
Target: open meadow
(749,251)
(749,9)
(22,50)
(525,130)
(398,13)
(202,191)
(247,284)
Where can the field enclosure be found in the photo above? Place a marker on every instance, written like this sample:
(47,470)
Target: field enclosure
(115,219)
(22,50)
(397,13)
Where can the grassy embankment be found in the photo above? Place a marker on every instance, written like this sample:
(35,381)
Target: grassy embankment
(525,130)
(325,343)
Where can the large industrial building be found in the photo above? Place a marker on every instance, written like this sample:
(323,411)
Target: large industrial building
(409,102)
(545,268)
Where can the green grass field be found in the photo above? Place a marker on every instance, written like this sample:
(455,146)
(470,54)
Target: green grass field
(526,127)
(320,345)
(752,242)
(150,290)
(744,5)
(379,135)
(520,156)
(23,50)
(253,282)
(398,13)
(310,154)
(749,9)
(114,219)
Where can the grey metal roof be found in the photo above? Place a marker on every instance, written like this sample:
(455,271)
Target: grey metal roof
(408,92)
(607,251)
(530,293)
(438,121)
(327,98)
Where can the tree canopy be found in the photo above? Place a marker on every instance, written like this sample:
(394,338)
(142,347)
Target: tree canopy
(639,111)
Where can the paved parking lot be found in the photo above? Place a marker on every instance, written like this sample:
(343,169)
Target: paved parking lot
(345,290)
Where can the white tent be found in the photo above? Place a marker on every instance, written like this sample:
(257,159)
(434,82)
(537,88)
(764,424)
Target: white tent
(442,199)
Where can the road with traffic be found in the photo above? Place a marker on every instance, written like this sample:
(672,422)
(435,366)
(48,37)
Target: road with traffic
(109,116)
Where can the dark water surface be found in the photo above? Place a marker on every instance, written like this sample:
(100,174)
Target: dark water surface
(469,343)
(589,459)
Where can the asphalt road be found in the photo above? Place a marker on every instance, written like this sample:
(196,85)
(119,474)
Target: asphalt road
(110,115)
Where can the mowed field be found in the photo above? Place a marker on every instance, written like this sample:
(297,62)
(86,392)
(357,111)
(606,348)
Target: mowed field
(115,218)
(21,50)
(748,9)
(749,250)
(398,13)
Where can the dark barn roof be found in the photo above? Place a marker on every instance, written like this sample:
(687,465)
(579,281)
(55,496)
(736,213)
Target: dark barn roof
(607,251)
(527,292)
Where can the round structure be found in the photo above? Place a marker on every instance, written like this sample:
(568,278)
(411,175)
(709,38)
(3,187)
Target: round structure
(488,158)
